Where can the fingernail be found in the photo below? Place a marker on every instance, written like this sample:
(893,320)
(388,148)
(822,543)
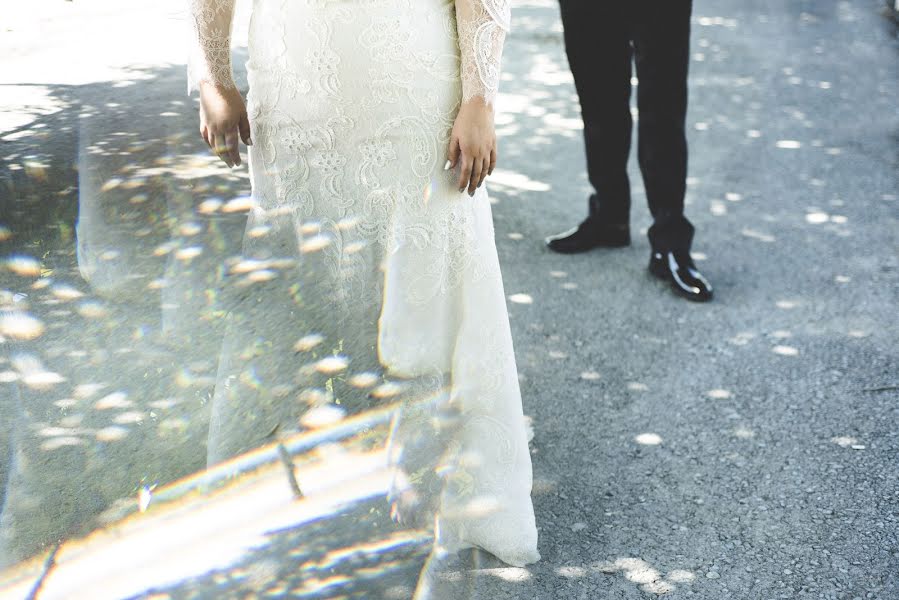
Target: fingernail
(448,165)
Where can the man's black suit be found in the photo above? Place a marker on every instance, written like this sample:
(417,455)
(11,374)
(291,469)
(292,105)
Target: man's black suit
(603,38)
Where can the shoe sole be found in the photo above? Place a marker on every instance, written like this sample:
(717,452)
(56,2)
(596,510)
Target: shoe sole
(581,251)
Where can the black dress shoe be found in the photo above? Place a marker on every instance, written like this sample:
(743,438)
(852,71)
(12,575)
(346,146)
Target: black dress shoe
(678,269)
(589,235)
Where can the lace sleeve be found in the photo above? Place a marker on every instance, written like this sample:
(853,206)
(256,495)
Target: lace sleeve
(210,48)
(482,26)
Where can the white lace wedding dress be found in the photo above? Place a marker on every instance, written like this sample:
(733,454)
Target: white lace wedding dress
(360,246)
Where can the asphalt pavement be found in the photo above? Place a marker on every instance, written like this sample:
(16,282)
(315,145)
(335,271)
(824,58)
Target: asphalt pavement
(747,448)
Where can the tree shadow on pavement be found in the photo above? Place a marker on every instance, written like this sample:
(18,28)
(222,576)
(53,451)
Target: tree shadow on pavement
(112,263)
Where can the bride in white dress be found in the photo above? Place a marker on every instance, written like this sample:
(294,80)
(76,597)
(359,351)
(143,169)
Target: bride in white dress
(370,240)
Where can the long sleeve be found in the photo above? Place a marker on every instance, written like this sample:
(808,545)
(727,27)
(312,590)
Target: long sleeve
(482,27)
(210,49)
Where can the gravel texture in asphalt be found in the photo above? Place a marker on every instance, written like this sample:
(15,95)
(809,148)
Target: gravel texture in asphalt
(746,448)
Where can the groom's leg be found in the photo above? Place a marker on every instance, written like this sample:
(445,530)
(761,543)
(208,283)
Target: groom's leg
(662,45)
(599,52)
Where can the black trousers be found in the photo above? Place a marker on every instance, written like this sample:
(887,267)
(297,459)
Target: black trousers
(603,40)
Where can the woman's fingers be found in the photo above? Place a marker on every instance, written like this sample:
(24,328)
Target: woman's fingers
(476,168)
(244,128)
(465,172)
(224,145)
(204,131)
(485,167)
(233,150)
(452,157)
(217,144)
(220,147)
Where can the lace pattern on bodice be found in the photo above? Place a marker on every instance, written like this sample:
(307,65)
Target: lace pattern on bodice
(482,28)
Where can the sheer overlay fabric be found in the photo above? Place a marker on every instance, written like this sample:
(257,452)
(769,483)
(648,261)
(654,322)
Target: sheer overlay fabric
(366,275)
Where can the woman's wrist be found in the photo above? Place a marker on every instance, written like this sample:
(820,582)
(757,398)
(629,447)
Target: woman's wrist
(478,102)
(222,87)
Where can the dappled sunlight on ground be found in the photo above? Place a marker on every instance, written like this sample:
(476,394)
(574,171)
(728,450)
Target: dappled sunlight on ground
(736,450)
(643,574)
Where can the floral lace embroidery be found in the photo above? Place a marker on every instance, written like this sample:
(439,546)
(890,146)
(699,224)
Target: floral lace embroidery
(210,58)
(482,29)
(483,25)
(351,110)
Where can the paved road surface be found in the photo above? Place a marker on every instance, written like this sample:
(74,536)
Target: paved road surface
(744,449)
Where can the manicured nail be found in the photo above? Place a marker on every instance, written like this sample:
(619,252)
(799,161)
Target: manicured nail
(448,165)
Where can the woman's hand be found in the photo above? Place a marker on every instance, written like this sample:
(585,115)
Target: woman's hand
(473,144)
(223,118)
